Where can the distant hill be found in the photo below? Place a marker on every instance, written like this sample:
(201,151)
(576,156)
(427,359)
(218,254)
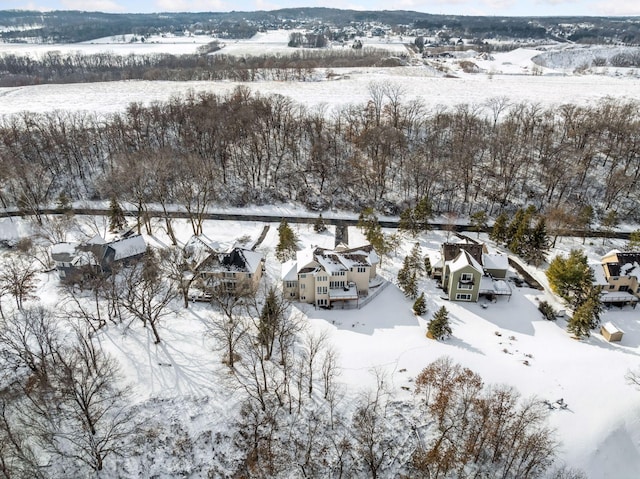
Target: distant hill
(76,26)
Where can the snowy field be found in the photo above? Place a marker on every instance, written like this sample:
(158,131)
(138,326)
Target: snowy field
(502,75)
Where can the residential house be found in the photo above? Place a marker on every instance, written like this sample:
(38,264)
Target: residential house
(73,259)
(621,274)
(323,277)
(467,270)
(212,264)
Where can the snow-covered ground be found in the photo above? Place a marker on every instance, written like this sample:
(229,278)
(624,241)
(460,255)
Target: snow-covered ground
(600,429)
(509,74)
(507,341)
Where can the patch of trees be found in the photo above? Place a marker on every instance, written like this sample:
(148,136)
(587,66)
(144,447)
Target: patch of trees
(525,235)
(571,278)
(54,67)
(390,155)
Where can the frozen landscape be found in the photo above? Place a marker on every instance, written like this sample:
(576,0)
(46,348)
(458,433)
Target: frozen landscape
(506,342)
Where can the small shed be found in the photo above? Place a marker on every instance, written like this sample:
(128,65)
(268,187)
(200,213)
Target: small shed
(610,332)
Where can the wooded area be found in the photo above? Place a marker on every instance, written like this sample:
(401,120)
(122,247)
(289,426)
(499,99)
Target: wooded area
(244,148)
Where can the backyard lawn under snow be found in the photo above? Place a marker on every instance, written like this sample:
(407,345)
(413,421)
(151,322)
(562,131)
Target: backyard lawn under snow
(506,342)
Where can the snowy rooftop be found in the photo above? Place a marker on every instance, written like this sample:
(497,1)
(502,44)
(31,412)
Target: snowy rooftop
(495,261)
(128,247)
(612,328)
(462,260)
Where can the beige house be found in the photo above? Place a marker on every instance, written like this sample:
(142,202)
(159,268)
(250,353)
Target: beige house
(232,267)
(621,273)
(323,277)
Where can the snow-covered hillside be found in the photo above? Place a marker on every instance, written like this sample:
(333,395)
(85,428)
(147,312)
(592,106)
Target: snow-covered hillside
(506,342)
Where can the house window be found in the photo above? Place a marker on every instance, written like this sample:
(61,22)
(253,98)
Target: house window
(623,288)
(463,297)
(322,290)
(465,286)
(322,302)
(613,286)
(303,298)
(303,276)
(466,277)
(303,286)
(362,269)
(229,275)
(322,278)
(336,284)
(292,294)
(290,284)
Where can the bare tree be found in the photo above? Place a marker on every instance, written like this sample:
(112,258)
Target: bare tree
(146,295)
(18,278)
(373,442)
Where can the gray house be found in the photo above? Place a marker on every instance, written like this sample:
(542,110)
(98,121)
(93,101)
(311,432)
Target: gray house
(72,260)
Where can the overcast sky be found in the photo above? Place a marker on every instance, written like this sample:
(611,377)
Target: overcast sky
(456,7)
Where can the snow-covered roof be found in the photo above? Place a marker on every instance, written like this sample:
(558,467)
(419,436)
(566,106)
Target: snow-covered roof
(599,278)
(97,239)
(290,270)
(617,297)
(495,261)
(253,260)
(331,263)
(304,258)
(128,247)
(612,328)
(463,260)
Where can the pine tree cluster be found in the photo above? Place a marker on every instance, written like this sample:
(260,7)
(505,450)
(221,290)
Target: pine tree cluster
(525,235)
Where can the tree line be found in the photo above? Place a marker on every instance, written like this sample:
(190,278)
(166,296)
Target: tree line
(245,148)
(54,67)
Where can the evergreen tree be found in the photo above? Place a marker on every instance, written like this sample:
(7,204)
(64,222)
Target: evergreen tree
(537,244)
(117,221)
(571,278)
(587,315)
(427,265)
(370,226)
(499,230)
(578,325)
(319,226)
(411,288)
(420,305)
(439,327)
(404,273)
(416,220)
(415,259)
(634,241)
(515,227)
(287,242)
(479,221)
